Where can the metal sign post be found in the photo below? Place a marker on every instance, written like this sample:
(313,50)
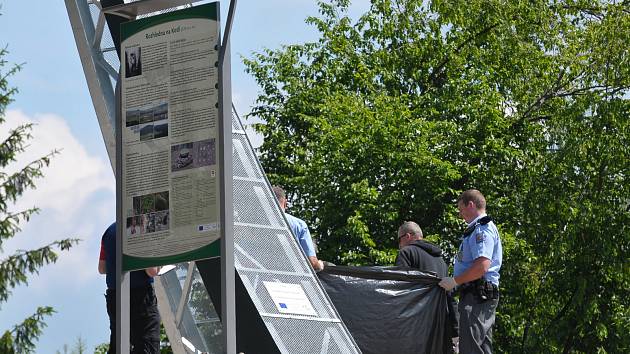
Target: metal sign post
(122,330)
(228,303)
(173,148)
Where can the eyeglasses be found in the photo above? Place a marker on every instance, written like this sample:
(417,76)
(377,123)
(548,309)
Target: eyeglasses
(403,235)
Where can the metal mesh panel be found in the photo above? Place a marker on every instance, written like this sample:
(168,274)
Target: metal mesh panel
(107,42)
(236,125)
(255,252)
(112,59)
(250,207)
(327,338)
(266,251)
(94,12)
(244,161)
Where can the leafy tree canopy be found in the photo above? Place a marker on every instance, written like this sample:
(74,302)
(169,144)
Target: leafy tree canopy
(388,117)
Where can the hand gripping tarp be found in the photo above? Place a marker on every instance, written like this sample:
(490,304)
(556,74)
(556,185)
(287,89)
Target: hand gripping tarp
(390,310)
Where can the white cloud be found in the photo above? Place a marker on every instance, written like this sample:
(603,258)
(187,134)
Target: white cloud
(76,197)
(73,175)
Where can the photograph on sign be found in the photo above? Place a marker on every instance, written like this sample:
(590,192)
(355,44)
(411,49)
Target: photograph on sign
(290,298)
(170,171)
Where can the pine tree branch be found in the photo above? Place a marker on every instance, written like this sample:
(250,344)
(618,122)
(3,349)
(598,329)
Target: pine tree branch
(5,92)
(18,182)
(14,144)
(9,225)
(24,335)
(15,268)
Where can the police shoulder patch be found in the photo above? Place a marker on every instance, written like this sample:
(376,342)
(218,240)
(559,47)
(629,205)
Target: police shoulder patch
(480,237)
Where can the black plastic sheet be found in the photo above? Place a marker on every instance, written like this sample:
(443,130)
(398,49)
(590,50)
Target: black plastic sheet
(390,310)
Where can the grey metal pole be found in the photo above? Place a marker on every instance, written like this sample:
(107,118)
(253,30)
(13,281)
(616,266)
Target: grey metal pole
(122,278)
(228,303)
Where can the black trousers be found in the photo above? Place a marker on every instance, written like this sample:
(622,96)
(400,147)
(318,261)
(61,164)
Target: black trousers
(144,320)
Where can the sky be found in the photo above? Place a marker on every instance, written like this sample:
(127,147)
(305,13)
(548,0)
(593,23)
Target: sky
(77,194)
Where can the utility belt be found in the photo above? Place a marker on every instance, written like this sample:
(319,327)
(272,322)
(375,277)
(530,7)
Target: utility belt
(481,288)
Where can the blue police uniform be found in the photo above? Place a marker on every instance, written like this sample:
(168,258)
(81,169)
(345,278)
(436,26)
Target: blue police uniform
(302,235)
(144,317)
(484,241)
(476,310)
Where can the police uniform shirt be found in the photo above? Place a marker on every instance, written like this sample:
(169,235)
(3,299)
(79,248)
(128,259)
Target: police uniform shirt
(302,235)
(484,241)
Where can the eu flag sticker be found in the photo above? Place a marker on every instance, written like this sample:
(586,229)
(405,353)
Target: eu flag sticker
(282,305)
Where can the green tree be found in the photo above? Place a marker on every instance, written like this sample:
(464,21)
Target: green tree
(390,116)
(15,268)
(101,348)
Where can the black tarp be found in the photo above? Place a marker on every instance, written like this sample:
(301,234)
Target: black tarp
(390,309)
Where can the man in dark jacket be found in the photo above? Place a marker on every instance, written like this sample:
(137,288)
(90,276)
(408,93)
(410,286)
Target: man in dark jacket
(144,318)
(417,253)
(414,252)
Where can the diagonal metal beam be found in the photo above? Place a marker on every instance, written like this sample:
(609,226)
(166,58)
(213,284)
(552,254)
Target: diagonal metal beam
(98,81)
(183,300)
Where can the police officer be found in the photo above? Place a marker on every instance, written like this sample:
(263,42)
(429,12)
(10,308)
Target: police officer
(144,318)
(476,274)
(300,230)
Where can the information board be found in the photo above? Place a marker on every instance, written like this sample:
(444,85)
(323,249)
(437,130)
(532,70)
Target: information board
(290,298)
(170,137)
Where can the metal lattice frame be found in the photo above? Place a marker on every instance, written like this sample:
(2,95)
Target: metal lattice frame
(265,249)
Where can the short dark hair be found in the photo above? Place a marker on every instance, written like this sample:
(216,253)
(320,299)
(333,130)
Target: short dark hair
(475,196)
(279,192)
